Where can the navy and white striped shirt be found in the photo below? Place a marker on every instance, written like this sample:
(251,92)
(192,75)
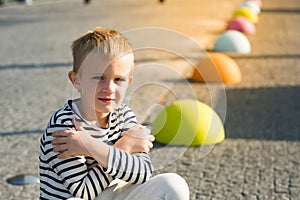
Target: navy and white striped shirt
(82,176)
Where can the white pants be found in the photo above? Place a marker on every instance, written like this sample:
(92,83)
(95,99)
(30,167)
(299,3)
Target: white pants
(168,186)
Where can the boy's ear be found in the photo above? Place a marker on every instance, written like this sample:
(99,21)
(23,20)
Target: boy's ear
(130,79)
(74,79)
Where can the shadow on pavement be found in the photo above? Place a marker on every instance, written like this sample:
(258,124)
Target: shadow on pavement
(35,66)
(263,113)
(267,56)
(24,132)
(281,10)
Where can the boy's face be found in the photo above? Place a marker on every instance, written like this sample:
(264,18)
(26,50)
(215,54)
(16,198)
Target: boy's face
(103,84)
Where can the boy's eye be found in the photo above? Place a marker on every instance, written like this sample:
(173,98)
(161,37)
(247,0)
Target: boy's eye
(98,78)
(119,79)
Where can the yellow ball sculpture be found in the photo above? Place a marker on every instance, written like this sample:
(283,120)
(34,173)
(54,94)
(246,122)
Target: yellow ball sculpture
(188,122)
(248,13)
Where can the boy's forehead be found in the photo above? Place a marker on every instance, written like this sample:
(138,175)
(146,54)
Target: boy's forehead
(97,63)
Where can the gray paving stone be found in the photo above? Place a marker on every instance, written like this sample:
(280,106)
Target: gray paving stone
(259,159)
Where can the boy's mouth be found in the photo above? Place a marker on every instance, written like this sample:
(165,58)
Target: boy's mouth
(106,100)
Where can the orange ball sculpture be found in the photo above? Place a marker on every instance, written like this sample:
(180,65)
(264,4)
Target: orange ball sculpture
(217,67)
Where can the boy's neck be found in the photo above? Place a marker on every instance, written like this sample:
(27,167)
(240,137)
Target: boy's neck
(101,119)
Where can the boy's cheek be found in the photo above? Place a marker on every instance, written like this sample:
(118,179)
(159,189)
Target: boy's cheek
(122,88)
(77,86)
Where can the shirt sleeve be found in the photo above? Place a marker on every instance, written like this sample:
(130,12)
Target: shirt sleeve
(133,168)
(74,175)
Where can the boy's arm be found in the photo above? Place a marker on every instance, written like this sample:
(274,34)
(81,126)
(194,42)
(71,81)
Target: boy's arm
(134,168)
(137,139)
(75,143)
(71,143)
(77,175)
(137,167)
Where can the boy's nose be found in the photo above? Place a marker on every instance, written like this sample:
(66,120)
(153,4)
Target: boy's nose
(109,87)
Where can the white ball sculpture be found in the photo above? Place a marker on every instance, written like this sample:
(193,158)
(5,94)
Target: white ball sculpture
(232,41)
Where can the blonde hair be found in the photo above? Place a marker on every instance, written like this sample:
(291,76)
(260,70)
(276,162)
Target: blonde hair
(109,43)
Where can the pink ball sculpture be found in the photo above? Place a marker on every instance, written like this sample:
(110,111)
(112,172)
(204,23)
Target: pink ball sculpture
(241,24)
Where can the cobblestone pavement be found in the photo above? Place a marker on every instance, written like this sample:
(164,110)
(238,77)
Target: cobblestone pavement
(259,159)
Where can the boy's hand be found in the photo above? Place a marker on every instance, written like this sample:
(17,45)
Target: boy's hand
(136,140)
(69,142)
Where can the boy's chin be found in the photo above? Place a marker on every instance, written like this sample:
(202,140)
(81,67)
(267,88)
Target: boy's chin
(106,109)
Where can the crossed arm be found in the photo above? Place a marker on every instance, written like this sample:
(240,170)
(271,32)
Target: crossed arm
(66,155)
(69,143)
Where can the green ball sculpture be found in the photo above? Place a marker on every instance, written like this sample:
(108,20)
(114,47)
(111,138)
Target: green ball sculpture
(189,123)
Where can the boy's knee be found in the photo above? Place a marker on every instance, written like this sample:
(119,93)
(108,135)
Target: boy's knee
(172,178)
(175,186)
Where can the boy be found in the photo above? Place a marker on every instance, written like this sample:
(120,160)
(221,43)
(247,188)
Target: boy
(97,136)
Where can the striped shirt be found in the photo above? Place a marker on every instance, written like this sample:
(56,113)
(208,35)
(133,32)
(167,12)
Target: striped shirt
(82,176)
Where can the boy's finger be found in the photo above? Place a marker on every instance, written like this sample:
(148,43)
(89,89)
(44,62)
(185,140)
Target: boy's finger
(77,125)
(61,133)
(63,155)
(60,148)
(151,138)
(59,140)
(150,145)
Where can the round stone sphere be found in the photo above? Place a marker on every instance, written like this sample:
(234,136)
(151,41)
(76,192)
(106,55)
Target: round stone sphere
(232,41)
(258,2)
(241,24)
(251,4)
(248,13)
(217,68)
(188,122)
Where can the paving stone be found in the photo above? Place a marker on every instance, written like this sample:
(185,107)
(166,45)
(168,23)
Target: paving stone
(259,158)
